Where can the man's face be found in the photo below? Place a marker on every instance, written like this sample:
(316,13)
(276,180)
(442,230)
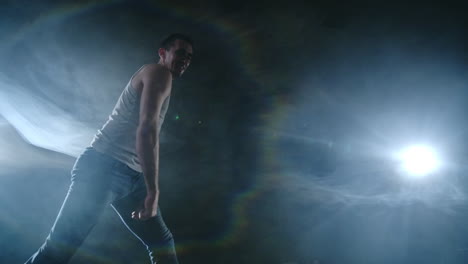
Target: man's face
(178,57)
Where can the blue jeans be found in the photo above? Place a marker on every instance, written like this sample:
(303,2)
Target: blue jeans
(97,180)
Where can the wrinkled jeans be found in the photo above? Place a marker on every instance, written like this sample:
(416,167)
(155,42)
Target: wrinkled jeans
(97,180)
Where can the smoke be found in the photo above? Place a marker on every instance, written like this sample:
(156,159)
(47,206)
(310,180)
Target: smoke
(40,122)
(61,86)
(337,133)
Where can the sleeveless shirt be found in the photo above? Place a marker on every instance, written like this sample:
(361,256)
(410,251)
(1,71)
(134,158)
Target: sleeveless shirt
(117,137)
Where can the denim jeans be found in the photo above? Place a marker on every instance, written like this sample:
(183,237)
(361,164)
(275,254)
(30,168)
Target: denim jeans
(97,180)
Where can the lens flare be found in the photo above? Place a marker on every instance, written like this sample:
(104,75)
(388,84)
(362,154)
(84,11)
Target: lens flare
(419,160)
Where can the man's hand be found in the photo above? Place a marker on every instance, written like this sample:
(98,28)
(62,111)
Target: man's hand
(150,207)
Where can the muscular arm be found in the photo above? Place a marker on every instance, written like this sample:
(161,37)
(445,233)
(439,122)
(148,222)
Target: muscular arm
(157,82)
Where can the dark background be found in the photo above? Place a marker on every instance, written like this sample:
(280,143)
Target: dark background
(279,140)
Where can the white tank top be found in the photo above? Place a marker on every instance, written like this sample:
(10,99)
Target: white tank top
(117,138)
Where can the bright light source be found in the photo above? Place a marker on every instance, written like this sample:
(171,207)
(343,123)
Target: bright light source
(419,160)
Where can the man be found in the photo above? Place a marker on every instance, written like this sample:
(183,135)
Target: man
(120,167)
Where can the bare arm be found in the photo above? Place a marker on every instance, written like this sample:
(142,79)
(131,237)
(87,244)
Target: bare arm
(157,82)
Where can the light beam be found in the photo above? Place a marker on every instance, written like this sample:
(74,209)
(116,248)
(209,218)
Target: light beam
(419,160)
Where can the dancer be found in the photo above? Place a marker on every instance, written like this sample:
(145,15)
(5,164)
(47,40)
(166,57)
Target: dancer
(120,167)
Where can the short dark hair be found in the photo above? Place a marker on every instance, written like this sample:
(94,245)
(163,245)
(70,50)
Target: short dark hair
(169,41)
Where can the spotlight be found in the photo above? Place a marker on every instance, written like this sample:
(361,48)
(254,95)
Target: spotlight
(419,160)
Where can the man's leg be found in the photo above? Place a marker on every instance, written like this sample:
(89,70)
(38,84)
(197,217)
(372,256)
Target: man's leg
(88,195)
(153,233)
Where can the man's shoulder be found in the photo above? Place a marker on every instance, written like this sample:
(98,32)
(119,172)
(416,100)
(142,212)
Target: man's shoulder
(155,76)
(151,73)
(153,69)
